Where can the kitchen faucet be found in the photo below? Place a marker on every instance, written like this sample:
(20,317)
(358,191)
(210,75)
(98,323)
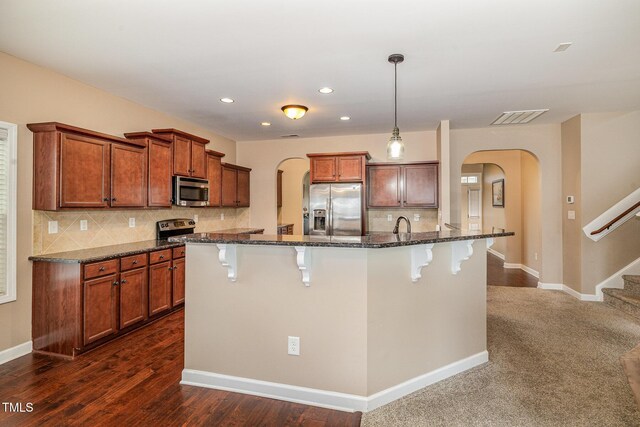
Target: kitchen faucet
(395,229)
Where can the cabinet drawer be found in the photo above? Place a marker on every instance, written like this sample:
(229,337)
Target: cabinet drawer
(159,256)
(98,269)
(178,252)
(133,261)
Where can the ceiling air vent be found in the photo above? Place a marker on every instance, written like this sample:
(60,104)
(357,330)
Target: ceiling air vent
(293,135)
(517,117)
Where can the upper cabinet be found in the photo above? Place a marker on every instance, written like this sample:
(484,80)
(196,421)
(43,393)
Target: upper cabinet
(79,168)
(408,185)
(338,167)
(235,186)
(214,176)
(189,153)
(159,169)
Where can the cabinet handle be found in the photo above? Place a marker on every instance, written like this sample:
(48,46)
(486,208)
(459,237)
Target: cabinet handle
(175,268)
(106,199)
(123,281)
(170,268)
(116,283)
(161,256)
(101,268)
(181,252)
(135,261)
(113,199)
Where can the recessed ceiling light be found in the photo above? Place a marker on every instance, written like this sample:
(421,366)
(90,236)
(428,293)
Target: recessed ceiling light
(518,117)
(345,118)
(265,124)
(226,100)
(563,46)
(325,90)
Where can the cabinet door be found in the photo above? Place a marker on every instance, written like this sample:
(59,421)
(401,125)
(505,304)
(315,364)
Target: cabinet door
(279,188)
(421,186)
(350,168)
(128,176)
(159,288)
(99,309)
(229,187)
(133,297)
(181,156)
(160,170)
(198,160)
(84,172)
(384,186)
(178,281)
(323,169)
(214,175)
(244,189)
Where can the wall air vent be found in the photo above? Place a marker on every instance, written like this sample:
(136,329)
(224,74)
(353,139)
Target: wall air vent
(517,117)
(290,136)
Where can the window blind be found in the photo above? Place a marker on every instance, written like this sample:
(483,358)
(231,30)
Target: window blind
(4,206)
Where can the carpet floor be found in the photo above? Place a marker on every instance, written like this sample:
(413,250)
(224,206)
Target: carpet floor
(553,361)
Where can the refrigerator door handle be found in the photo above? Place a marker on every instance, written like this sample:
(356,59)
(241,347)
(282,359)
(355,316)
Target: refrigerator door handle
(329,218)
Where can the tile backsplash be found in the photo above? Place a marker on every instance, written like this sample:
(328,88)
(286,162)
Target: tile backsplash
(111,227)
(378,219)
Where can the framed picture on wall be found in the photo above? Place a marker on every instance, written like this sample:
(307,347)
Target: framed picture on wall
(497,193)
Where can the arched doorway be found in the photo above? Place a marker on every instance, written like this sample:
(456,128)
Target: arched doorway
(290,195)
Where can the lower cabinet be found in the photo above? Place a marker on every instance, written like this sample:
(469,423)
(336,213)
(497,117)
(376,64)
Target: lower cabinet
(79,306)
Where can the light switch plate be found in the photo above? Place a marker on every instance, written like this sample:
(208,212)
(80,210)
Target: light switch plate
(416,217)
(83,225)
(53,227)
(571,214)
(389,218)
(570,199)
(132,222)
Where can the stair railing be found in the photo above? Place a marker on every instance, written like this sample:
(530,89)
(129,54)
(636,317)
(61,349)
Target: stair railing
(614,217)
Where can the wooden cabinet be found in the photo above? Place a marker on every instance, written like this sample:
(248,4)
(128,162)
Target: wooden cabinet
(77,306)
(338,167)
(236,186)
(279,188)
(80,168)
(100,308)
(214,176)
(159,167)
(189,153)
(285,229)
(409,185)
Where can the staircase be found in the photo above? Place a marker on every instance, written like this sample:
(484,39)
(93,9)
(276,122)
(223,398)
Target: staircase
(626,299)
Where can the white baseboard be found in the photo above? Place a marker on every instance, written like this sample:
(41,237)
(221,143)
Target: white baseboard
(615,280)
(15,352)
(523,267)
(566,289)
(496,253)
(324,398)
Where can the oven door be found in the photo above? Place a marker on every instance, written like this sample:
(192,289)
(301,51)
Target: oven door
(190,191)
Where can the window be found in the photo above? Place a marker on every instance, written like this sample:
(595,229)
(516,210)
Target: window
(469,179)
(8,160)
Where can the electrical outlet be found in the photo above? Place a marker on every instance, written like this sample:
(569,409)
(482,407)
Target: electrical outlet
(221,217)
(293,346)
(571,214)
(416,217)
(389,218)
(195,218)
(132,222)
(53,227)
(83,225)
(535,256)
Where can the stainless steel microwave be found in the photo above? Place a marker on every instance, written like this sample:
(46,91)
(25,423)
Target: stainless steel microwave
(190,191)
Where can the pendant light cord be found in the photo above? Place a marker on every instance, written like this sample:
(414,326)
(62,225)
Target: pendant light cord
(395,94)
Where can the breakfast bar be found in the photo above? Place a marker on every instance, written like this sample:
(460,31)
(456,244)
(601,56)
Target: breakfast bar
(372,318)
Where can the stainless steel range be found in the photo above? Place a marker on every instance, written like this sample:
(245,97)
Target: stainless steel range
(174,227)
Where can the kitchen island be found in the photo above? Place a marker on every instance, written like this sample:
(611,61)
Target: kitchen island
(377,316)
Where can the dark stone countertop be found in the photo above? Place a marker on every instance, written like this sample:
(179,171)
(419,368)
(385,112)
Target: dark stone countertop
(104,253)
(373,240)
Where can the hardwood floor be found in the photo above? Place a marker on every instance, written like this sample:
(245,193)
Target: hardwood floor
(135,381)
(497,275)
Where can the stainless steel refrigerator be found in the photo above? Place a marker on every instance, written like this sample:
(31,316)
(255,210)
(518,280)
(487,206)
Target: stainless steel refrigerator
(335,209)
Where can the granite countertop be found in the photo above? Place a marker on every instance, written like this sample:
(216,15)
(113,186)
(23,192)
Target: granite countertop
(104,253)
(373,240)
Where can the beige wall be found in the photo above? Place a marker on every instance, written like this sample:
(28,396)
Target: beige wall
(265,156)
(363,324)
(292,176)
(543,141)
(495,216)
(531,196)
(33,94)
(600,158)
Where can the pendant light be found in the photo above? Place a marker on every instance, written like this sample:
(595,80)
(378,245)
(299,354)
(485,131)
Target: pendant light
(395,146)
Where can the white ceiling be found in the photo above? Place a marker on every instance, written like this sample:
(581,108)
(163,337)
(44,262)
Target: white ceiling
(466,60)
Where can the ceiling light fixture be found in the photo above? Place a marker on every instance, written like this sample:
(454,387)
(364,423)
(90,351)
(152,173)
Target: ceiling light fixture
(226,100)
(294,112)
(325,90)
(345,118)
(265,124)
(395,146)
